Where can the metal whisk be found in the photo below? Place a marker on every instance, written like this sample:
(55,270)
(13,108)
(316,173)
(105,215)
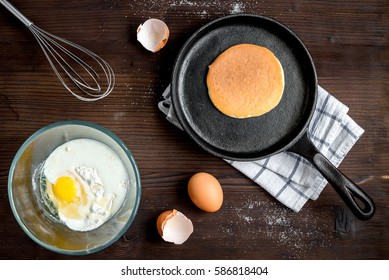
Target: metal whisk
(68,62)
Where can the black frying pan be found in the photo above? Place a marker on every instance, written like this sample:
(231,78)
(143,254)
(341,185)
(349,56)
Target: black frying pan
(283,128)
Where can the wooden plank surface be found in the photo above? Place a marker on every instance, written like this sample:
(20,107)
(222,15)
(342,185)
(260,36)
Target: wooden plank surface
(348,41)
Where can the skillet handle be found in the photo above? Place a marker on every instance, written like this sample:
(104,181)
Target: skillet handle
(347,189)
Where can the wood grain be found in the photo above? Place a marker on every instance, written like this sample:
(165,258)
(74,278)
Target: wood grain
(348,41)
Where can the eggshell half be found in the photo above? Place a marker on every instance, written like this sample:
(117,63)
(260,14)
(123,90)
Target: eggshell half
(153,34)
(173,226)
(205,191)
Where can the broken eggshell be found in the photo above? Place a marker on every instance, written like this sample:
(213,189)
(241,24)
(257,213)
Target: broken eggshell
(153,34)
(173,226)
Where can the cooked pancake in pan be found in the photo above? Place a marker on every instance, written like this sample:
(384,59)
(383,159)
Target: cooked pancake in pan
(245,81)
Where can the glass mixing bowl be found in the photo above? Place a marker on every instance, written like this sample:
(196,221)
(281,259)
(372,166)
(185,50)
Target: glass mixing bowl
(33,218)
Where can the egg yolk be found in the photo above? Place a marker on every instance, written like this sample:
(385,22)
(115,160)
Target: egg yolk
(65,189)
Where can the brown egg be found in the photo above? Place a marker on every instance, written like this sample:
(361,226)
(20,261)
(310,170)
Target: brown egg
(205,192)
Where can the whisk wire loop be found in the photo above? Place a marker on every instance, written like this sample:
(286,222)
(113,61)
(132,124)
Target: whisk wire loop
(64,58)
(46,47)
(54,50)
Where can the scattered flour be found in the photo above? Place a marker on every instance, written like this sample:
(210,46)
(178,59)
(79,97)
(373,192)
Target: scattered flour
(195,7)
(237,7)
(293,232)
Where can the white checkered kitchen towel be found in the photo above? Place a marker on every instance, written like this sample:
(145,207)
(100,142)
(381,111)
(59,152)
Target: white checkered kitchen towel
(291,179)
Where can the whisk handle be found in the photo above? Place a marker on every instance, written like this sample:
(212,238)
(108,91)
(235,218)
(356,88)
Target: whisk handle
(16,12)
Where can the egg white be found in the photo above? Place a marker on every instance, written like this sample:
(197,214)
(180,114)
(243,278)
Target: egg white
(101,182)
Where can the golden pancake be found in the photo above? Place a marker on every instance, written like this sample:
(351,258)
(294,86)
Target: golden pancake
(245,81)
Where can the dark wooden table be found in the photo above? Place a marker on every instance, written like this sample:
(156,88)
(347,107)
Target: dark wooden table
(348,41)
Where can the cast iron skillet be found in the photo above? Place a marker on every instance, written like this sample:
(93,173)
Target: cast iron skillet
(283,128)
